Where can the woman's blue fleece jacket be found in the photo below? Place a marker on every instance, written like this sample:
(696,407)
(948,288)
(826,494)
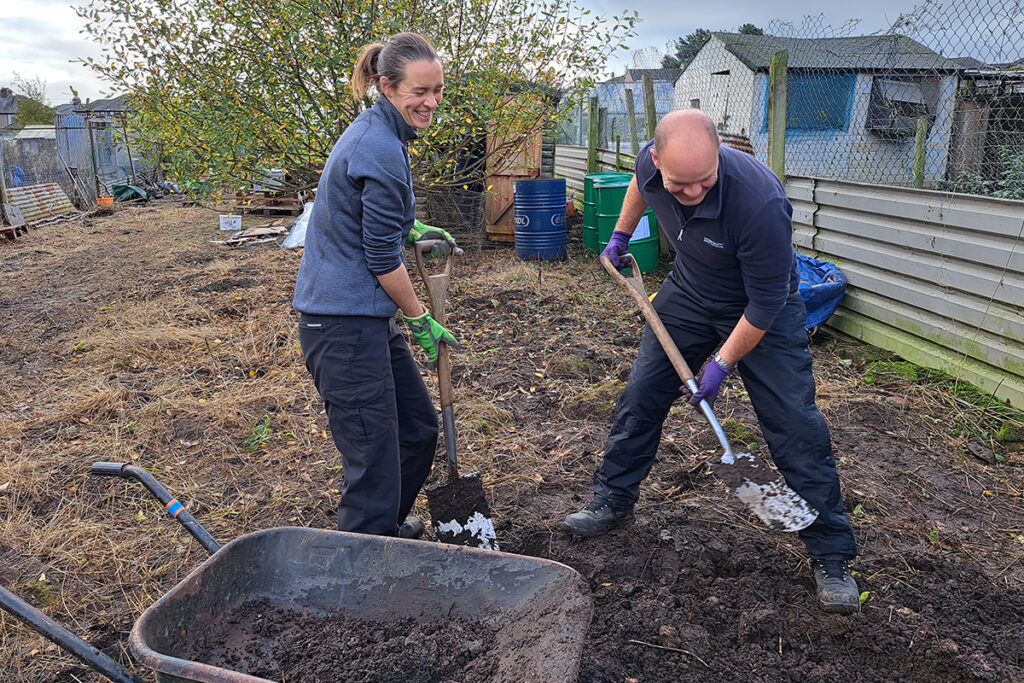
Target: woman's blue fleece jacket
(363,211)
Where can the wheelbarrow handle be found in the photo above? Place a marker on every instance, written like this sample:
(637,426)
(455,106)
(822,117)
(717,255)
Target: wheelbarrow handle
(174,508)
(65,638)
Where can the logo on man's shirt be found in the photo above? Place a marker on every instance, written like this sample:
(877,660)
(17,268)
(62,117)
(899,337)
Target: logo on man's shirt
(716,245)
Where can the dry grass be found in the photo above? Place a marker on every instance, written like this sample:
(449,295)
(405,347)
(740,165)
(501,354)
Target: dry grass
(131,338)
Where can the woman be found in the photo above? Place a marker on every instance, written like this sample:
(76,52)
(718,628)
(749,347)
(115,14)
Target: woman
(352,280)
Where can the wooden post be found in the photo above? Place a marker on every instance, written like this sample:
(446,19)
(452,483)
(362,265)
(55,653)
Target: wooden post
(92,148)
(618,147)
(3,180)
(920,141)
(634,139)
(777,93)
(602,124)
(592,133)
(128,148)
(650,111)
(650,124)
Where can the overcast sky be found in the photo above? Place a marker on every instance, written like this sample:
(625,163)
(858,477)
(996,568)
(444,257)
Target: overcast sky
(42,37)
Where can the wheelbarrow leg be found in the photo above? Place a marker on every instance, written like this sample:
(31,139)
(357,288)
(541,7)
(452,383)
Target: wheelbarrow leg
(65,638)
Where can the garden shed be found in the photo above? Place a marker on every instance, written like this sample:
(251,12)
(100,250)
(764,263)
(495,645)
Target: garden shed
(853,103)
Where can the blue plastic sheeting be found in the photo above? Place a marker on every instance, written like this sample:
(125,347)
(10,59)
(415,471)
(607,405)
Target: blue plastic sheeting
(822,287)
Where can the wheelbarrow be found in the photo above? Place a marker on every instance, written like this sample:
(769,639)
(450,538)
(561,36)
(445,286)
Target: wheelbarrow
(539,610)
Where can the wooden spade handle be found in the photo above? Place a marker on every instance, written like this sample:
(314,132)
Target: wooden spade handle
(635,284)
(437,287)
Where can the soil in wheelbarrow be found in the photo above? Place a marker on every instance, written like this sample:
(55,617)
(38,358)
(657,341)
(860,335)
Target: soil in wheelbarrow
(283,644)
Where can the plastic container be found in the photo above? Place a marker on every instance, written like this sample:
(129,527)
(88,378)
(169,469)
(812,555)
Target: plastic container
(590,181)
(230,222)
(644,243)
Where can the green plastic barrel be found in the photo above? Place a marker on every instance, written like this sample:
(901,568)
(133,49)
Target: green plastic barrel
(608,198)
(644,243)
(590,181)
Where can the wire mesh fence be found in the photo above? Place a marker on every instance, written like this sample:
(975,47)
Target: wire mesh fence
(935,101)
(83,156)
(614,107)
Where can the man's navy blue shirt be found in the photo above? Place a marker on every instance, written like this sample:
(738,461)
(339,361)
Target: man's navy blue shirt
(736,247)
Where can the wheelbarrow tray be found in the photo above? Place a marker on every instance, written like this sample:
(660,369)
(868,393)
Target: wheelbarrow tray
(543,608)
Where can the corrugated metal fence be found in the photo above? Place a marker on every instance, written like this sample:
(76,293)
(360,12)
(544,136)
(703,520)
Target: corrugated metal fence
(936,278)
(571,164)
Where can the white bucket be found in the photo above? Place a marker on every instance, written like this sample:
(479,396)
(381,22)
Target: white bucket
(230,222)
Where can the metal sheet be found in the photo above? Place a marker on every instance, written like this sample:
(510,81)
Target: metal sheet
(37,202)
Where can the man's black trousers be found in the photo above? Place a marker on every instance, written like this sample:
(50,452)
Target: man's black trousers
(777,376)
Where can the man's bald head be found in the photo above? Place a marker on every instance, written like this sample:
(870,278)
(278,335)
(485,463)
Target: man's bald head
(686,153)
(686,127)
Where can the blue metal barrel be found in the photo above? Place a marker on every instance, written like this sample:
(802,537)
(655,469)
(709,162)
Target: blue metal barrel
(540,218)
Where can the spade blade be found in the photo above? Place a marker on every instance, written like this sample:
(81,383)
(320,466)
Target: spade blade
(764,492)
(460,514)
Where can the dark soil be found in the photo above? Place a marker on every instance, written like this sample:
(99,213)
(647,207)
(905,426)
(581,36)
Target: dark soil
(153,348)
(278,643)
(459,512)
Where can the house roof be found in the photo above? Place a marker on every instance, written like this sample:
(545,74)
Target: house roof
(115,105)
(37,133)
(9,105)
(634,75)
(969,62)
(861,53)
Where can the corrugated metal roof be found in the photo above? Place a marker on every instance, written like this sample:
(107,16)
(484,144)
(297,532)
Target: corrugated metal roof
(859,53)
(37,133)
(37,202)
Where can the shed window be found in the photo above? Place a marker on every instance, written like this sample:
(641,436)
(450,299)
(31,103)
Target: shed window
(816,100)
(895,107)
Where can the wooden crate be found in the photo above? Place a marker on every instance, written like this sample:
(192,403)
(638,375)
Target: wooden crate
(500,233)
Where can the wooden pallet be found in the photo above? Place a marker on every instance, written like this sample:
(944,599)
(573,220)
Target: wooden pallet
(11,232)
(501,233)
(268,203)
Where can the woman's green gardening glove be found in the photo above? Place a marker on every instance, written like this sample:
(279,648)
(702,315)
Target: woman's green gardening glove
(422,231)
(428,333)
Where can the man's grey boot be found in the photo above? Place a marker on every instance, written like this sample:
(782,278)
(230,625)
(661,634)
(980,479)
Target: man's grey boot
(597,518)
(836,589)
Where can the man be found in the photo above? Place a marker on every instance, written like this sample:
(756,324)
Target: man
(734,283)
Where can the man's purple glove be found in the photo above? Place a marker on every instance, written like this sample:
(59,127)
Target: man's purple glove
(618,245)
(709,380)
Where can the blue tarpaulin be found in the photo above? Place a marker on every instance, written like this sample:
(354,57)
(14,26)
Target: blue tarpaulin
(822,287)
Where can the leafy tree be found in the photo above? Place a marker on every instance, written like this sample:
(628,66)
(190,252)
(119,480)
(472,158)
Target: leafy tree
(687,48)
(33,106)
(231,87)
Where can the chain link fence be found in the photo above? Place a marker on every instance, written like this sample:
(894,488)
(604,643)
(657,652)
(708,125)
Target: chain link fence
(613,110)
(935,101)
(79,158)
